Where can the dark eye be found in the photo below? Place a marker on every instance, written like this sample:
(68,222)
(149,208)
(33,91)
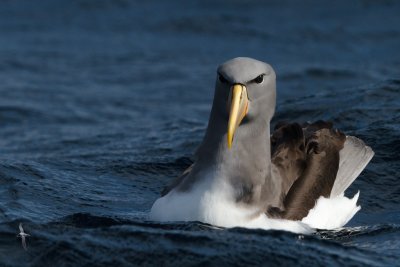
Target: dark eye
(222,79)
(259,79)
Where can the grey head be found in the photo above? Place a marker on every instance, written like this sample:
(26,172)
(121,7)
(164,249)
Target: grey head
(257,77)
(244,100)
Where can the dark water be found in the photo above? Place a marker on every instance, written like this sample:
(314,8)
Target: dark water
(103,102)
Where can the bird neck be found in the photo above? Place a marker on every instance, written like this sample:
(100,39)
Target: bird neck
(246,166)
(250,154)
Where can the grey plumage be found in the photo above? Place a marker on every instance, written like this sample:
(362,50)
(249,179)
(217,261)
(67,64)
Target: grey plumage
(354,157)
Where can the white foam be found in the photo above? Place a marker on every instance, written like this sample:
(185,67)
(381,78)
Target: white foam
(211,202)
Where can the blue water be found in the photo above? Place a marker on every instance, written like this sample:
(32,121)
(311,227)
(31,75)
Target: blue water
(103,102)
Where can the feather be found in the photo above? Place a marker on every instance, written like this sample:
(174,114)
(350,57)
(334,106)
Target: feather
(354,157)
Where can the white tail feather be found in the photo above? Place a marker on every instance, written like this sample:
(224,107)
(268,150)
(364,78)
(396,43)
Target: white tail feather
(332,213)
(354,157)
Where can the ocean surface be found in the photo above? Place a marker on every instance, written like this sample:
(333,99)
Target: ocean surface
(103,102)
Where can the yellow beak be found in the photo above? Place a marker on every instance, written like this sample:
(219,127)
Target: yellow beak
(239,104)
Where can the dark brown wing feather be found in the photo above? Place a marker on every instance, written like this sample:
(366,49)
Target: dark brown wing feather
(307,158)
(288,153)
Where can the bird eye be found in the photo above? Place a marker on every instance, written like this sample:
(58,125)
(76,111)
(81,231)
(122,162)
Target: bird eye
(222,79)
(259,79)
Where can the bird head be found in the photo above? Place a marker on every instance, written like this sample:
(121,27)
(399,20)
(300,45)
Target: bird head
(245,92)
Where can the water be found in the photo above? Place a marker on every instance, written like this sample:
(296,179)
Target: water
(103,103)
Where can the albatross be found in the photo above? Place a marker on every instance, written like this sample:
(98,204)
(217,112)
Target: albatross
(243,176)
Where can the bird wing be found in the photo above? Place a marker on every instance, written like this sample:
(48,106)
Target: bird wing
(20,228)
(354,157)
(287,153)
(308,158)
(176,181)
(23,242)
